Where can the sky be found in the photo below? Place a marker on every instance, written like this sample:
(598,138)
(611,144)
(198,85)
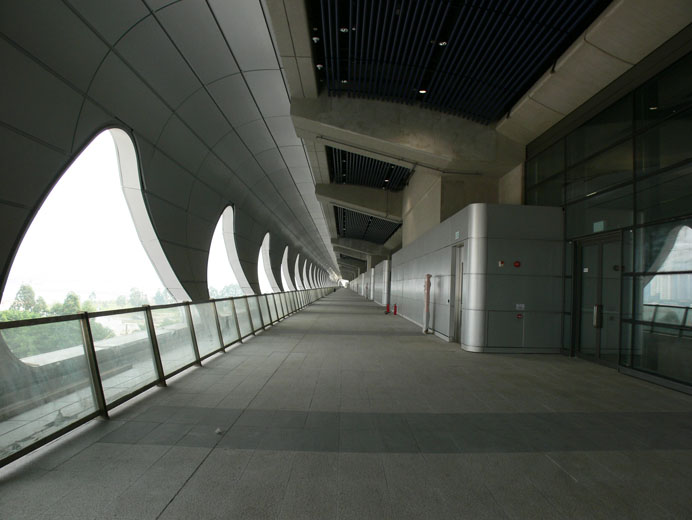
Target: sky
(83,238)
(219,272)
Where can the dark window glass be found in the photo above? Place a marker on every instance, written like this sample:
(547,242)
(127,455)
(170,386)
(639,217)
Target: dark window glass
(608,127)
(547,194)
(546,164)
(666,145)
(663,352)
(666,195)
(605,212)
(668,93)
(607,169)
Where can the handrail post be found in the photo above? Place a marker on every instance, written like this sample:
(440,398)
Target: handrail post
(155,346)
(193,336)
(96,383)
(218,326)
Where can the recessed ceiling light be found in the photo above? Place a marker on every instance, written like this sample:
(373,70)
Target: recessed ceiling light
(386,180)
(422,91)
(653,108)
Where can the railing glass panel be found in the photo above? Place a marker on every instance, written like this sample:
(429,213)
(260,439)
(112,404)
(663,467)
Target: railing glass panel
(227,321)
(124,353)
(45,382)
(174,338)
(243,317)
(207,334)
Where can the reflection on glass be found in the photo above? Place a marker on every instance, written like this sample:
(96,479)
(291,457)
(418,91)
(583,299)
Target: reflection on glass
(612,167)
(124,353)
(546,164)
(174,338)
(243,317)
(207,334)
(46,382)
(668,93)
(665,195)
(665,145)
(226,313)
(609,126)
(611,210)
(663,345)
(255,312)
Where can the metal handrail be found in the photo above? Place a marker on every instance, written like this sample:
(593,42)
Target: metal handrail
(301,298)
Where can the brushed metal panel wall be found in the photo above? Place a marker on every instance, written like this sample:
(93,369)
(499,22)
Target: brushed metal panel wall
(503,307)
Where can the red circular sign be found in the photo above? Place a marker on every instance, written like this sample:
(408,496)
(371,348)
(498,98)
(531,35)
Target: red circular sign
(517,263)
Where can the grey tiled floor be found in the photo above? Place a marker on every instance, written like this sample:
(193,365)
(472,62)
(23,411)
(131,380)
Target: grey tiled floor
(343,412)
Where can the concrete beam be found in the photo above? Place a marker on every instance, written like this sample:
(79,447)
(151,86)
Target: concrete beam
(372,201)
(405,134)
(361,246)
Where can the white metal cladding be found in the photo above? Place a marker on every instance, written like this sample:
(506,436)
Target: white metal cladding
(199,87)
(489,233)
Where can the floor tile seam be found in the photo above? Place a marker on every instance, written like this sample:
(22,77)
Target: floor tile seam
(192,473)
(134,482)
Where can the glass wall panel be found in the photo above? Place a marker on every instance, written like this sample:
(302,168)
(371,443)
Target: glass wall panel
(609,126)
(546,164)
(550,193)
(665,248)
(284,302)
(46,382)
(605,212)
(663,352)
(665,145)
(207,334)
(174,338)
(243,317)
(665,195)
(124,353)
(255,312)
(227,321)
(266,318)
(670,92)
(608,169)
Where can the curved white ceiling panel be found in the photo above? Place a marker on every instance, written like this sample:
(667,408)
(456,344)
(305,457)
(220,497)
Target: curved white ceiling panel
(200,88)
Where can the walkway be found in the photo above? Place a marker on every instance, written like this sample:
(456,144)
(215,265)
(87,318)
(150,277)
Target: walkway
(343,412)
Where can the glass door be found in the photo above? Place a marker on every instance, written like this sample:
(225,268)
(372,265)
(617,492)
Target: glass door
(599,269)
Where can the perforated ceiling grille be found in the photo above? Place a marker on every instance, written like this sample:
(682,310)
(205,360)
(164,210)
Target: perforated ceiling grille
(350,168)
(352,224)
(470,58)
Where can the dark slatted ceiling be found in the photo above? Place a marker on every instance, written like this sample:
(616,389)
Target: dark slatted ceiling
(352,224)
(470,58)
(350,168)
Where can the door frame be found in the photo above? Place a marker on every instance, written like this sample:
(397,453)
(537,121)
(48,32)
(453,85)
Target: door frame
(579,243)
(456,293)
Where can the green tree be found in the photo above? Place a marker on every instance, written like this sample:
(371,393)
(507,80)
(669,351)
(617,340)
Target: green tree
(121,301)
(71,305)
(25,300)
(137,298)
(162,297)
(41,306)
